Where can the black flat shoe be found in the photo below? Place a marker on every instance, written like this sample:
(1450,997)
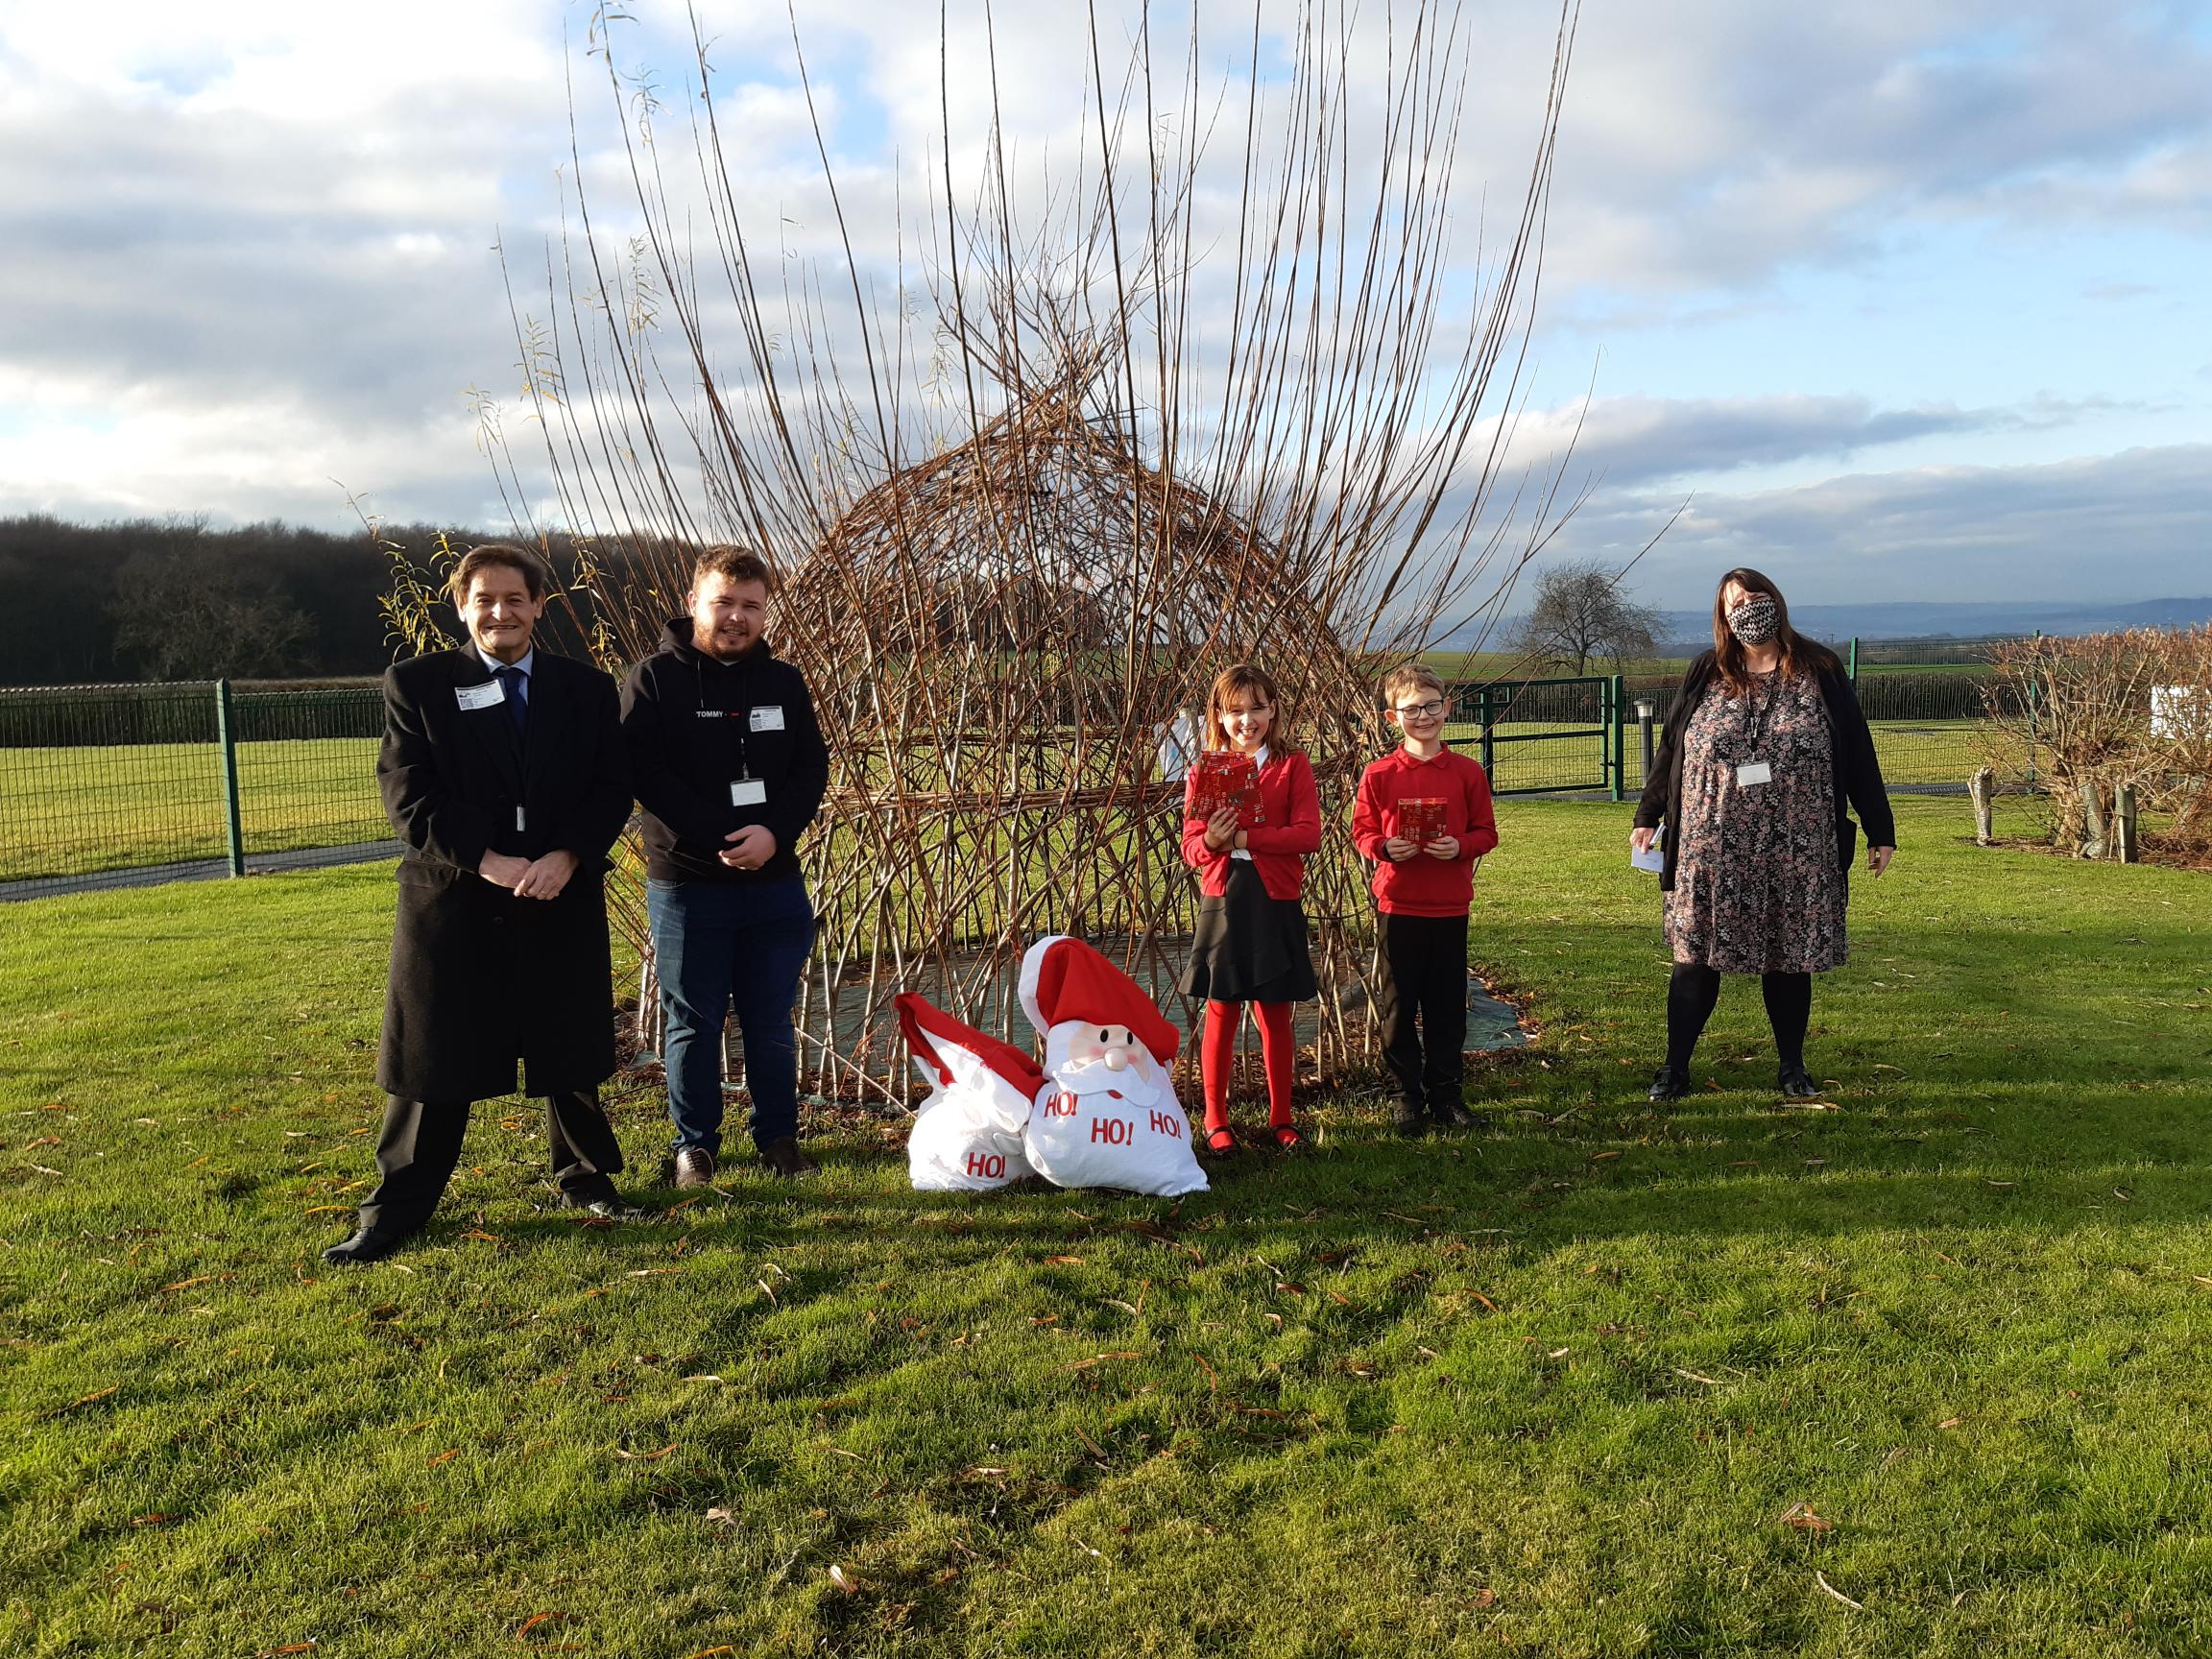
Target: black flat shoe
(369,1245)
(1409,1120)
(1796,1083)
(1670,1084)
(606,1206)
(1450,1114)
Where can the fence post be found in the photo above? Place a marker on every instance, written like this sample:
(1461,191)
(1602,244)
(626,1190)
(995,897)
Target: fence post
(2124,824)
(2035,678)
(1615,697)
(226,735)
(1853,669)
(1483,713)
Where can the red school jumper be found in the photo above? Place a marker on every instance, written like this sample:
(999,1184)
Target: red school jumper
(1422,886)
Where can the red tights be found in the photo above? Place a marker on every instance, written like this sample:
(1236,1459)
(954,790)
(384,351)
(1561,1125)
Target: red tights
(1218,1052)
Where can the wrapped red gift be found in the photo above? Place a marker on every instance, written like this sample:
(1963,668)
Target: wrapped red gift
(1421,818)
(1224,777)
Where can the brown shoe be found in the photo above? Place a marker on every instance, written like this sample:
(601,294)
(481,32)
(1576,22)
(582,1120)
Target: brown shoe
(695,1167)
(783,1155)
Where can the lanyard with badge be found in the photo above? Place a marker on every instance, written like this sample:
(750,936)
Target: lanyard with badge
(1755,771)
(745,789)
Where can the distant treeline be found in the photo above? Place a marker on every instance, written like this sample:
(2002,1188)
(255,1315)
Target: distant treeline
(172,599)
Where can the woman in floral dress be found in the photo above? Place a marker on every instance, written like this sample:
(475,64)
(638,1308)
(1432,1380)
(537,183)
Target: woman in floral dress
(1764,757)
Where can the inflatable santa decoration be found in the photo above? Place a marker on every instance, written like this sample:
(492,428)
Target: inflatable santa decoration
(967,1135)
(1108,1115)
(1101,1112)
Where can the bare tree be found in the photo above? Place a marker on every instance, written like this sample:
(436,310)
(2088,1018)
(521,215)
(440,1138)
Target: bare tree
(1580,616)
(191,615)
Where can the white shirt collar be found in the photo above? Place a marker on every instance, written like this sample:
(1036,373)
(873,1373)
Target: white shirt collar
(529,658)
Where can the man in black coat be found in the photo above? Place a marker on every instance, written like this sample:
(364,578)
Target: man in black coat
(502,772)
(729,767)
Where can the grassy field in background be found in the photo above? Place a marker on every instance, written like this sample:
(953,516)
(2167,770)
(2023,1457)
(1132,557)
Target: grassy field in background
(120,806)
(1596,1378)
(75,811)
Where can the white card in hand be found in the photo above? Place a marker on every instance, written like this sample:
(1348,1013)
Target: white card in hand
(768,718)
(1652,859)
(749,792)
(489,696)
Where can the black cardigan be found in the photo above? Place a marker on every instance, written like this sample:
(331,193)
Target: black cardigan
(1858,774)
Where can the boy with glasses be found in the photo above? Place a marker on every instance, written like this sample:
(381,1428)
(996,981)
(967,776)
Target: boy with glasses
(1423,815)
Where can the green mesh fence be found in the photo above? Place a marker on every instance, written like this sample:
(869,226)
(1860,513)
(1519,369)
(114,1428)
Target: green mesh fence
(104,784)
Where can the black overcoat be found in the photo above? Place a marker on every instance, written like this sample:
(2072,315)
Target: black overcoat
(482,980)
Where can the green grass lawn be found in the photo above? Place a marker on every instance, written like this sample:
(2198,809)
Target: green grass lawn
(1557,1385)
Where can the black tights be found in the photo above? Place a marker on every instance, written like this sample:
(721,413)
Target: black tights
(1694,989)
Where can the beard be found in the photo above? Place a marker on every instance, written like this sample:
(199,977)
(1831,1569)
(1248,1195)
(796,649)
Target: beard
(1139,1084)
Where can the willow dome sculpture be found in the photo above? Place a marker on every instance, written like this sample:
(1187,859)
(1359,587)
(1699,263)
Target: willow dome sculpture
(1227,380)
(998,634)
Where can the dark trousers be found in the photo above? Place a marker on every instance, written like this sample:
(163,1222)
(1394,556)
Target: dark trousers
(724,947)
(1424,977)
(422,1144)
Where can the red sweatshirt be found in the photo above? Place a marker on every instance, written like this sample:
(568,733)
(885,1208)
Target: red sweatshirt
(1279,846)
(1422,886)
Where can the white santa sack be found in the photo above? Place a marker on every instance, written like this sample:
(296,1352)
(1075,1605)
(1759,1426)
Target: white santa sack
(1108,1115)
(967,1135)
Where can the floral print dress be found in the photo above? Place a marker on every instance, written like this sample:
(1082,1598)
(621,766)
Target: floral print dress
(1758,888)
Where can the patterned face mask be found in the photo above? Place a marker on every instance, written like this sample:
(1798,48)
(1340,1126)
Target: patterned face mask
(1755,621)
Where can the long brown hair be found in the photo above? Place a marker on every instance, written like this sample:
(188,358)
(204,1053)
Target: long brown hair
(1256,683)
(1799,655)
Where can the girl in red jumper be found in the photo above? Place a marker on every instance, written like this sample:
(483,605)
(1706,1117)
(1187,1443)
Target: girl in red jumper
(1250,943)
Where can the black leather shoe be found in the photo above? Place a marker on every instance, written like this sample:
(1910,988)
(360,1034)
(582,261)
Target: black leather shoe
(1450,1114)
(783,1155)
(694,1167)
(366,1245)
(1409,1120)
(1670,1084)
(608,1205)
(1796,1083)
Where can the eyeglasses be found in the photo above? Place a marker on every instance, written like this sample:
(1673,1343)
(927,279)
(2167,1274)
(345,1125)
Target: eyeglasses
(1427,710)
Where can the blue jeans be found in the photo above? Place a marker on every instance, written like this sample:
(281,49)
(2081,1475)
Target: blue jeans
(721,949)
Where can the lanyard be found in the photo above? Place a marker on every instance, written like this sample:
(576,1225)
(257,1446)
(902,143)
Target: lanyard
(1756,709)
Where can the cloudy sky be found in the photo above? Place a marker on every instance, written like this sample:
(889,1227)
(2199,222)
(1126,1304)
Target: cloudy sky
(1906,299)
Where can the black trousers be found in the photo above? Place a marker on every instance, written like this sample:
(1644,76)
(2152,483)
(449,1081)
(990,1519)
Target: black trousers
(421,1143)
(1425,979)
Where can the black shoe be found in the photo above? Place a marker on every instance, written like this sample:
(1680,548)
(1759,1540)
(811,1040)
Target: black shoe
(1670,1084)
(1796,1083)
(604,1203)
(695,1167)
(1450,1114)
(366,1245)
(783,1155)
(1409,1120)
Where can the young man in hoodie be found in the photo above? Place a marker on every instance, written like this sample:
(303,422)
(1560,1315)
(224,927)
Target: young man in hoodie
(728,764)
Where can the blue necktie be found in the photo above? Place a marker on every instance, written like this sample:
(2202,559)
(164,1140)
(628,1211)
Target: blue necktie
(517,686)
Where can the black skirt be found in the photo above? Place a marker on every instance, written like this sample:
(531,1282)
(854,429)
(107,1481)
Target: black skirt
(1249,947)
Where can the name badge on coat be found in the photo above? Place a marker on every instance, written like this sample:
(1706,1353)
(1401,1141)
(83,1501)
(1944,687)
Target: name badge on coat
(769,717)
(1754,772)
(489,696)
(748,792)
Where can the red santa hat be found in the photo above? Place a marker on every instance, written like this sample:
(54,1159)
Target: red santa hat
(1064,979)
(958,1052)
